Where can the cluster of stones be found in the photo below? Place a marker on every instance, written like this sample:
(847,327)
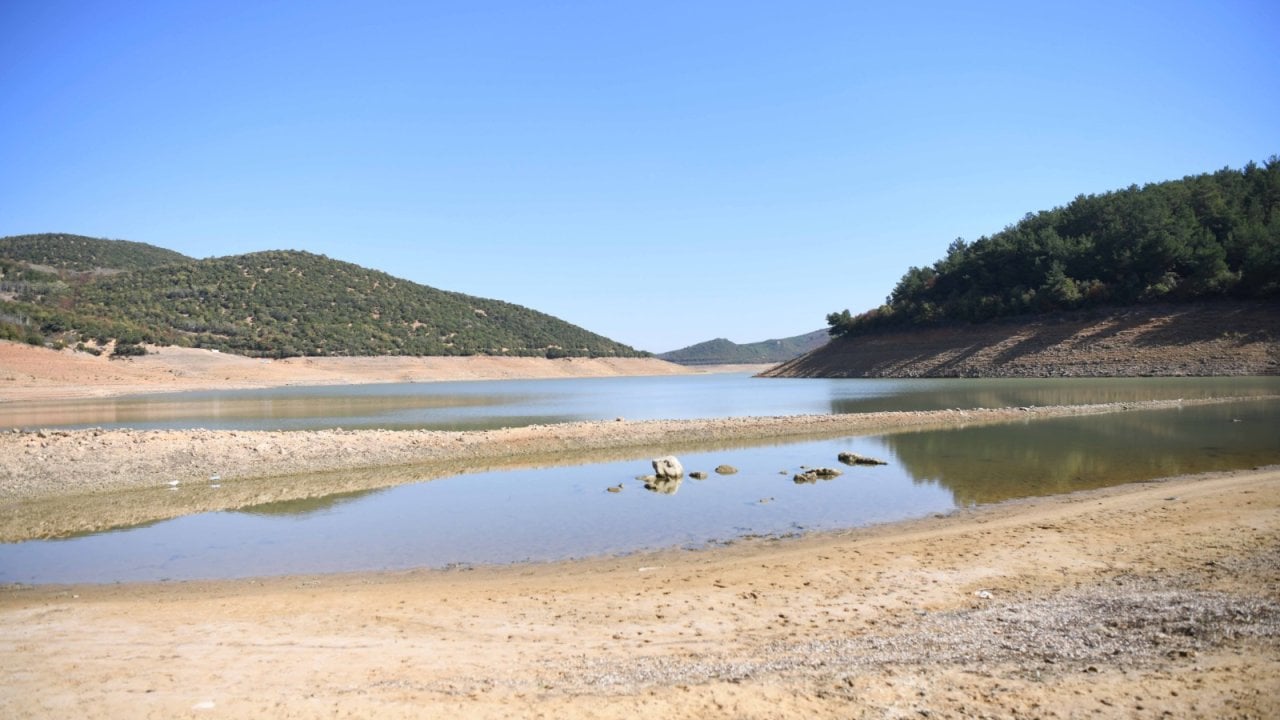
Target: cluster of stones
(668,473)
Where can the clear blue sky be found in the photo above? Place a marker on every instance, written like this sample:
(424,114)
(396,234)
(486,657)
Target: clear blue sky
(659,172)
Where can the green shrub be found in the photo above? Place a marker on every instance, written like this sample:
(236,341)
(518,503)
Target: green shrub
(128,349)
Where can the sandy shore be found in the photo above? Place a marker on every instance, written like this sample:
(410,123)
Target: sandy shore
(35,374)
(1142,601)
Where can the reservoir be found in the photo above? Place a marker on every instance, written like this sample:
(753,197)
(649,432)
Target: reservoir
(555,513)
(490,404)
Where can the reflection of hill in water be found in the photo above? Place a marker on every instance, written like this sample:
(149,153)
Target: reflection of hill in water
(306,506)
(999,462)
(942,394)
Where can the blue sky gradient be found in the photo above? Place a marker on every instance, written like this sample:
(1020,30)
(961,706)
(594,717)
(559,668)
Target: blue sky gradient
(661,173)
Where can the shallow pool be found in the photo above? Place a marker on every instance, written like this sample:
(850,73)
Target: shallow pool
(566,512)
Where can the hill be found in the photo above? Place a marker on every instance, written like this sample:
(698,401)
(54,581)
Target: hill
(1220,338)
(725,352)
(77,253)
(286,303)
(1173,278)
(1203,237)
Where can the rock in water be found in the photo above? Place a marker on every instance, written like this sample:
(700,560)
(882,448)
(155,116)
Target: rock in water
(813,475)
(668,468)
(849,458)
(726,469)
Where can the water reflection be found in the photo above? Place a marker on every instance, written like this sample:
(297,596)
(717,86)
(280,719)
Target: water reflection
(307,506)
(663,485)
(942,394)
(1000,462)
(513,403)
(278,410)
(561,512)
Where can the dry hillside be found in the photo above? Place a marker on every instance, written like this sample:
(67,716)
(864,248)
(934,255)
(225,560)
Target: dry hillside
(1203,339)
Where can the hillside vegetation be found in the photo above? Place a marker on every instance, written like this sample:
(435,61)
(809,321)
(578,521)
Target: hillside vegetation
(726,352)
(77,253)
(280,304)
(1203,237)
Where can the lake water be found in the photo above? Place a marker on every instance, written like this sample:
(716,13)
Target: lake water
(509,403)
(565,512)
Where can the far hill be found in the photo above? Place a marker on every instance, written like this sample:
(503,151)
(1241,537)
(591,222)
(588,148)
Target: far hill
(77,253)
(287,303)
(1059,292)
(725,352)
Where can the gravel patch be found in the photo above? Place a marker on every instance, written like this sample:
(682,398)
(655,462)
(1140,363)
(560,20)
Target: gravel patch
(1130,622)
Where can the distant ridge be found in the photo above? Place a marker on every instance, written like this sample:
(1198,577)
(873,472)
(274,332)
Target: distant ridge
(725,352)
(268,304)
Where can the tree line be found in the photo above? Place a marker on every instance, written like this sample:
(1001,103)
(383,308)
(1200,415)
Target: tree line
(1205,236)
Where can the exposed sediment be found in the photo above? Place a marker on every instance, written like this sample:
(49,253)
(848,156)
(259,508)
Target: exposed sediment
(36,374)
(1202,339)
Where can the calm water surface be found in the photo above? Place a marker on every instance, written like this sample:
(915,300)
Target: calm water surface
(556,513)
(509,403)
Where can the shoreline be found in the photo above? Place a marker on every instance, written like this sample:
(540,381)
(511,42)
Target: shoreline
(29,374)
(60,482)
(1103,602)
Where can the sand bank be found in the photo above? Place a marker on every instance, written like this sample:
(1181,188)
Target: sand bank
(1150,600)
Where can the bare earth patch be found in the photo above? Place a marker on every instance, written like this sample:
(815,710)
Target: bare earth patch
(1190,339)
(30,373)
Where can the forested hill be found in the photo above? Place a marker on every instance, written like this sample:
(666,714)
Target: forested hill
(726,352)
(1203,237)
(1211,338)
(286,303)
(77,253)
